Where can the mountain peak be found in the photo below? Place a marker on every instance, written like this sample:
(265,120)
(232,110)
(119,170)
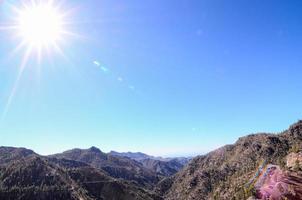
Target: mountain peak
(295,130)
(95,149)
(297,124)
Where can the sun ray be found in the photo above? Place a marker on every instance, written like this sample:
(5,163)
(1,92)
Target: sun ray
(74,35)
(16,84)
(17,49)
(58,49)
(8,27)
(40,26)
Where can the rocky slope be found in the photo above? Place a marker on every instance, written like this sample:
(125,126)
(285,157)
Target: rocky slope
(36,177)
(229,172)
(165,168)
(117,167)
(8,154)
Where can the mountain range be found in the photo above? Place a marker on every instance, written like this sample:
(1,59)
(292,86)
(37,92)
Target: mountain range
(257,166)
(160,165)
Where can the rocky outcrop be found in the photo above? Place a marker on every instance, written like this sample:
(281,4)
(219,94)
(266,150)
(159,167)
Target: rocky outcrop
(294,160)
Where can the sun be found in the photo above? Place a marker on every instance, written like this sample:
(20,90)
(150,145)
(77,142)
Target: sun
(38,28)
(40,25)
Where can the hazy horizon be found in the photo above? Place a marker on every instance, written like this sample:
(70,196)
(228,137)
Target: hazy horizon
(158,77)
(175,153)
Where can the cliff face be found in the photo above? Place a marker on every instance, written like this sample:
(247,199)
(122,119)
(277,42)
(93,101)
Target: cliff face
(229,172)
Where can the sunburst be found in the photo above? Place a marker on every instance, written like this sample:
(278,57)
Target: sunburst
(40,27)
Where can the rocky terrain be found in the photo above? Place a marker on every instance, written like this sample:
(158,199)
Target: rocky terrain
(117,167)
(258,166)
(35,177)
(293,159)
(229,172)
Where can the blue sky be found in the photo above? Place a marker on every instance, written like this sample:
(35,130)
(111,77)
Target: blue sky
(162,77)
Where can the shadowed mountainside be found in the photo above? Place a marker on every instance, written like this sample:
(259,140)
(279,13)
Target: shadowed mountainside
(36,177)
(115,166)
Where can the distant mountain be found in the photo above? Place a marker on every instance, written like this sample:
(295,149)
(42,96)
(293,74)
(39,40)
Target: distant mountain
(243,170)
(116,166)
(133,155)
(37,177)
(166,168)
(138,156)
(160,165)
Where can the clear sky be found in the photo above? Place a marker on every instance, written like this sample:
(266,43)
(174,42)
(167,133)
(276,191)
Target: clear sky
(173,77)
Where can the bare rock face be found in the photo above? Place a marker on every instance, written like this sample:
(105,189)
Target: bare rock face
(294,159)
